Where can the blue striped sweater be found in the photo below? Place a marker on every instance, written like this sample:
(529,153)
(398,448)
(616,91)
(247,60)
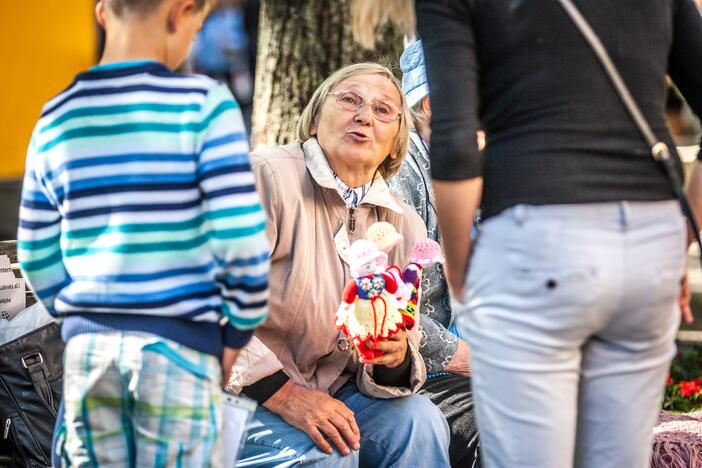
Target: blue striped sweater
(139,210)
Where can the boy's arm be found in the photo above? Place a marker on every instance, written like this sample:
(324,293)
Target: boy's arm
(39,234)
(235,221)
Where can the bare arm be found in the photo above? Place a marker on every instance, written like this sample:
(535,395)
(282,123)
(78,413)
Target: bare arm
(456,203)
(694,196)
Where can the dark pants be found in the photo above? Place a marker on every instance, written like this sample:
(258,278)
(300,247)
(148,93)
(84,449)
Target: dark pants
(454,397)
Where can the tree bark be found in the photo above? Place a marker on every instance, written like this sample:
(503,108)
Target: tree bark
(301,42)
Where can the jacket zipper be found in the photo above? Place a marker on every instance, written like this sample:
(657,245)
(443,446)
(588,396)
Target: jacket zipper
(352,220)
(8,423)
(29,427)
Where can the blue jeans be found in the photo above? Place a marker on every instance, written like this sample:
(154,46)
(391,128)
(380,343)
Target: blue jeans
(401,432)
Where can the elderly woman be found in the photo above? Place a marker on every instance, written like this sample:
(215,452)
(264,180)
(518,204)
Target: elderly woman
(319,403)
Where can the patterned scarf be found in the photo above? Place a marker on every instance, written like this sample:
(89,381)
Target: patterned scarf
(352,196)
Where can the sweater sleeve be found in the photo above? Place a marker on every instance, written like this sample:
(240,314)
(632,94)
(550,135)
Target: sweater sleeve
(452,69)
(685,59)
(39,234)
(236,222)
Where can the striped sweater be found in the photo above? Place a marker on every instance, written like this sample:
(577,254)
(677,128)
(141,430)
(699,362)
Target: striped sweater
(139,210)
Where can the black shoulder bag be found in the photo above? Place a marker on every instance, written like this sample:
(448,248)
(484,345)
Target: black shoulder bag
(659,150)
(31,376)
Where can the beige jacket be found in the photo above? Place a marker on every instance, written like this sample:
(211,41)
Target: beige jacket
(309,230)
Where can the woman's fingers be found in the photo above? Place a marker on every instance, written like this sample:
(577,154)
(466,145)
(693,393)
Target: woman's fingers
(348,415)
(344,427)
(318,439)
(332,432)
(393,349)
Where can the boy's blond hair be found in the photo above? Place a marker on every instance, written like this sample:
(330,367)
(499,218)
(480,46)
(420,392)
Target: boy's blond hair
(367,15)
(120,7)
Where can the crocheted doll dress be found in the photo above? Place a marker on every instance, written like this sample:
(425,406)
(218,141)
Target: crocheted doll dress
(369,308)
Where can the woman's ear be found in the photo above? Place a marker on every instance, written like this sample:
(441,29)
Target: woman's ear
(426,107)
(313,128)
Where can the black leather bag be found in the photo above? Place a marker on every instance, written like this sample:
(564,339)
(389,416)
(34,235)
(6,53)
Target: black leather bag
(31,378)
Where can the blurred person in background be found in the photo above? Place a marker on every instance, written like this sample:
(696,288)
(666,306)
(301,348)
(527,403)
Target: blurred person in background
(221,51)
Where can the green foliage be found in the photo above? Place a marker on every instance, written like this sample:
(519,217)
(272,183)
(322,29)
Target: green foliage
(683,390)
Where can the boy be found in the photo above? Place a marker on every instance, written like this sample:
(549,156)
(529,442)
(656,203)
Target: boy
(141,227)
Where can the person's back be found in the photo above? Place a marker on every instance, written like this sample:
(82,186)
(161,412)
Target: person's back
(572,285)
(546,105)
(140,225)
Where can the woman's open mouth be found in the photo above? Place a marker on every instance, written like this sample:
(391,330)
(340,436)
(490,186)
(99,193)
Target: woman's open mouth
(358,136)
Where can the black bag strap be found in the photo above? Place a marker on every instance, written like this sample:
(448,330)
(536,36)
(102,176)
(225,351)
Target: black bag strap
(659,150)
(39,373)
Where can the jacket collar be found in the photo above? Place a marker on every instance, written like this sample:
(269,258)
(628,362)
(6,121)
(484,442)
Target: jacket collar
(316,161)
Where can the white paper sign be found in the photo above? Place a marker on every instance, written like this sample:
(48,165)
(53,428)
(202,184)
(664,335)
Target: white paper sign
(13,296)
(5,266)
(236,413)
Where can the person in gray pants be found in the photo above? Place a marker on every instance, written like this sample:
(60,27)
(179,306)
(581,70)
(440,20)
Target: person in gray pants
(570,302)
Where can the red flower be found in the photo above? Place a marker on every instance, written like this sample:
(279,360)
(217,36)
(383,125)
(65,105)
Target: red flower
(669,381)
(691,388)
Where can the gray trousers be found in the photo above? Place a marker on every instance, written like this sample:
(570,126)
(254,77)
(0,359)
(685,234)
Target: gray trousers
(571,314)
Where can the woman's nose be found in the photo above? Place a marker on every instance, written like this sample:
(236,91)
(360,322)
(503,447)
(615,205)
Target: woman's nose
(364,114)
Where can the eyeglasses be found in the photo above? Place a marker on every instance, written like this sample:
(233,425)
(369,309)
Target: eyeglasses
(383,111)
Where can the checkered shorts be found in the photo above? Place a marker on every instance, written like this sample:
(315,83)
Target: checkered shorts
(135,399)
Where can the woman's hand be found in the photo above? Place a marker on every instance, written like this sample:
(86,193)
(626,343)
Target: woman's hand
(394,350)
(460,362)
(684,299)
(317,414)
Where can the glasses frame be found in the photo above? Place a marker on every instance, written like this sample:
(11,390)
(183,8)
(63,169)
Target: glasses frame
(365,102)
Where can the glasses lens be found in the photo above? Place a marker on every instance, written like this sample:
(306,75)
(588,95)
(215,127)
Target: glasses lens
(349,100)
(384,111)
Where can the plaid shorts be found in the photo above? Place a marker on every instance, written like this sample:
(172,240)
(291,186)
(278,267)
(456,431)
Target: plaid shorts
(135,399)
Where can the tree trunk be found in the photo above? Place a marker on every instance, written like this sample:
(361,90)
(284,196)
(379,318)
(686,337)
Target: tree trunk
(301,42)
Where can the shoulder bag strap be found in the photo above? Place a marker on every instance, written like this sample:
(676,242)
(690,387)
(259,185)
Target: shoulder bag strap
(659,150)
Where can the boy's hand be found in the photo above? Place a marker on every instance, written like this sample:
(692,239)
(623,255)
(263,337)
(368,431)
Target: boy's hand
(229,356)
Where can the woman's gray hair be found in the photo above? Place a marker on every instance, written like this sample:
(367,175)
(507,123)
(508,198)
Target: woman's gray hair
(309,115)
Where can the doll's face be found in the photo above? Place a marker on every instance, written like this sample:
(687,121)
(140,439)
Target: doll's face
(372,266)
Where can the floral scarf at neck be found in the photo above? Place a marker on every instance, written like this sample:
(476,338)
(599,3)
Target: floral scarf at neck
(352,196)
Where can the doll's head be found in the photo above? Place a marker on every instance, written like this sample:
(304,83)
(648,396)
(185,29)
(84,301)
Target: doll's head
(384,235)
(365,258)
(425,252)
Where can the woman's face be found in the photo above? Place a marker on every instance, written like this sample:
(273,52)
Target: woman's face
(357,141)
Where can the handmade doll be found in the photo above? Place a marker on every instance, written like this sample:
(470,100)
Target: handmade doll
(369,309)
(385,237)
(424,253)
